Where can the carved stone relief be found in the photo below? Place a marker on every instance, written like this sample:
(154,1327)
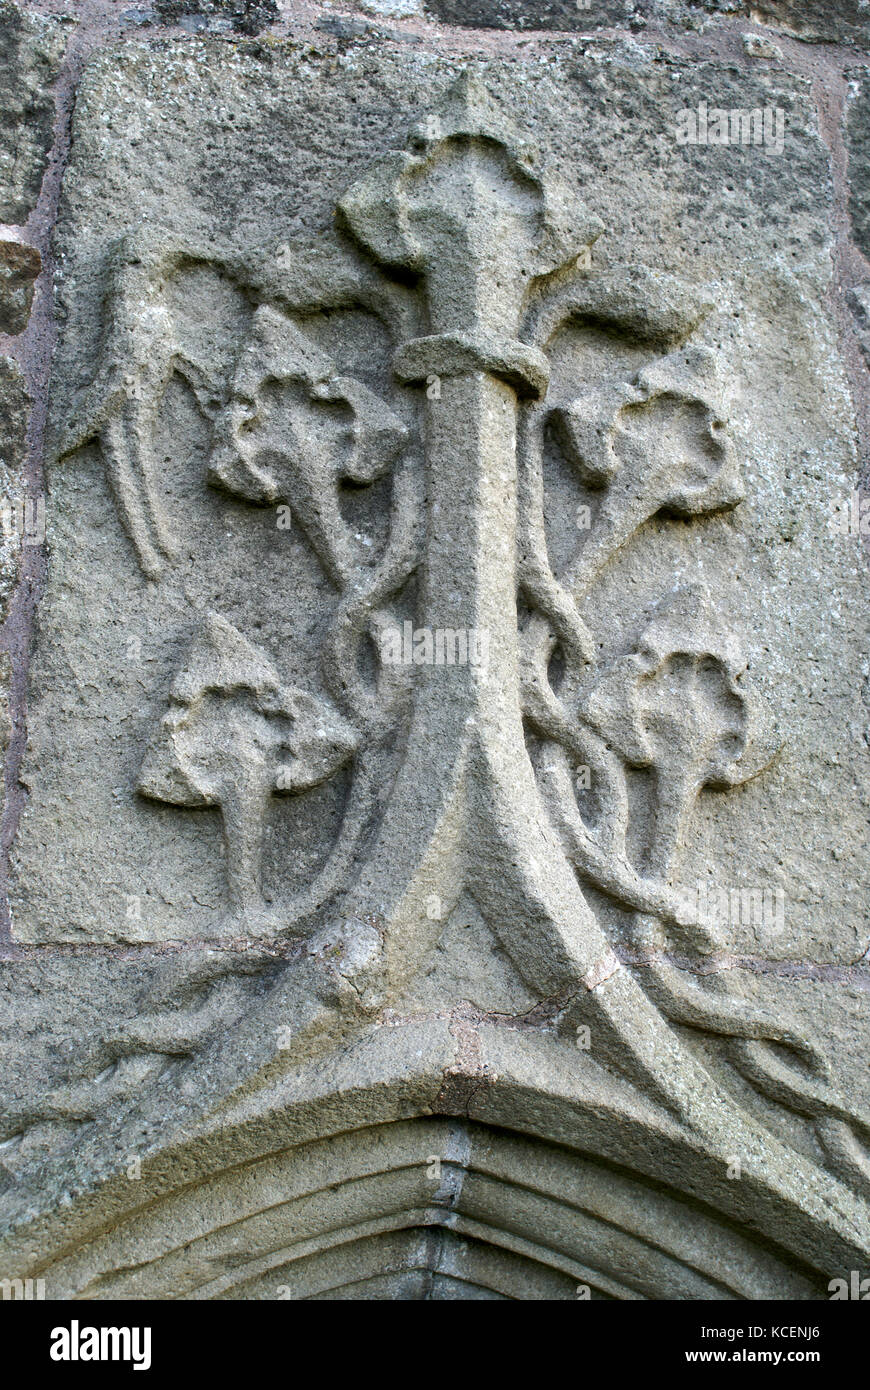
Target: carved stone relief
(409,687)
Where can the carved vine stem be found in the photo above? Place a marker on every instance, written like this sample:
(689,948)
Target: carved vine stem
(598,850)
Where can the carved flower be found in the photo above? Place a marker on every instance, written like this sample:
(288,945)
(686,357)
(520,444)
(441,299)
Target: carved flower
(678,705)
(232,736)
(666,428)
(294,428)
(658,443)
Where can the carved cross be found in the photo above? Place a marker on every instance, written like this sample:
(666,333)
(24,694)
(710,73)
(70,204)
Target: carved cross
(469,212)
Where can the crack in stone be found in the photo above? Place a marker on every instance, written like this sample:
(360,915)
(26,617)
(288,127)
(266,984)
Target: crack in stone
(855,973)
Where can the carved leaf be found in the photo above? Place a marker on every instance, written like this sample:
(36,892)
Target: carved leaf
(120,407)
(141,350)
(657,443)
(294,428)
(224,681)
(232,736)
(644,306)
(678,705)
(668,422)
(680,693)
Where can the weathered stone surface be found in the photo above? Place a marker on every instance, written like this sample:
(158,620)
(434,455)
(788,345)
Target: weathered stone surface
(845,22)
(858,148)
(564,15)
(19,267)
(859,302)
(14,409)
(31,48)
(235,16)
(527,359)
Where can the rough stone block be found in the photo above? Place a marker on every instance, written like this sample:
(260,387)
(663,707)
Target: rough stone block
(19,267)
(31,49)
